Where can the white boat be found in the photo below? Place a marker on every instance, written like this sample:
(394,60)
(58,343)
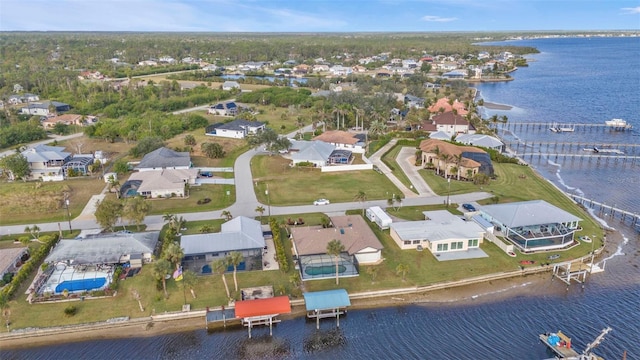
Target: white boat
(559,129)
(616,123)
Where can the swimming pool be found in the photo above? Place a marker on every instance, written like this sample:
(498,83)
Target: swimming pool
(81,285)
(324,270)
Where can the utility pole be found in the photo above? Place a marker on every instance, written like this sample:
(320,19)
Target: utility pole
(266,192)
(449,190)
(66,203)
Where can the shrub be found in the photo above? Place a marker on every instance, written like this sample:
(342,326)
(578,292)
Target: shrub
(70,310)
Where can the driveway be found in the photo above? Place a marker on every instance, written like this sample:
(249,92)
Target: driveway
(406,159)
(377,161)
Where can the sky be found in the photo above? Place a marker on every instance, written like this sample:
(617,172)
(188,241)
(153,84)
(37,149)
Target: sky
(318,15)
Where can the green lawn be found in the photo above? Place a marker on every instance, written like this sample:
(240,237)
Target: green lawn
(291,186)
(390,159)
(37,202)
(217,194)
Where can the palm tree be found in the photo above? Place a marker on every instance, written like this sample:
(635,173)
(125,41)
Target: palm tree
(235,258)
(437,152)
(190,279)
(458,160)
(260,210)
(294,279)
(227,215)
(335,248)
(169,219)
(402,269)
(220,267)
(205,229)
(162,268)
(373,271)
(174,254)
(361,196)
(114,183)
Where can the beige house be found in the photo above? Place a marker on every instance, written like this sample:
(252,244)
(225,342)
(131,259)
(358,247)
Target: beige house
(445,157)
(343,140)
(66,119)
(163,183)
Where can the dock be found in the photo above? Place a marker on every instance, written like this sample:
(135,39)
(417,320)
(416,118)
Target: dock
(576,127)
(603,210)
(561,346)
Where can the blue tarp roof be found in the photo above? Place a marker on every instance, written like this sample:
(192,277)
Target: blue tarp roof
(324,300)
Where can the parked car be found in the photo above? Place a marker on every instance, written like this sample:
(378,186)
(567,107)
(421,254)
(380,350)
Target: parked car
(468,207)
(321,202)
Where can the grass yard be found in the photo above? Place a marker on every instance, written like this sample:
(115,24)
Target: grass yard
(290,186)
(389,159)
(217,194)
(38,202)
(193,227)
(283,120)
(232,147)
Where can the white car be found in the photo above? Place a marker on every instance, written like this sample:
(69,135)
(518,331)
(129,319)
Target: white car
(321,202)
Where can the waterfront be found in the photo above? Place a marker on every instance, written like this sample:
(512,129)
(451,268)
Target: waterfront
(502,322)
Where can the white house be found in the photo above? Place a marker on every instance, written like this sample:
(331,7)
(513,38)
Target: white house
(236,129)
(344,140)
(440,232)
(339,70)
(230,85)
(164,183)
(315,152)
(482,140)
(379,216)
(46,162)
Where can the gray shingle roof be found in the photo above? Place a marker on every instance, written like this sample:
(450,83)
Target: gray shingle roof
(103,249)
(44,153)
(311,150)
(241,233)
(528,213)
(164,158)
(240,125)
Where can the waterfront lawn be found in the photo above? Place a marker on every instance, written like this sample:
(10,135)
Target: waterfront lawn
(390,159)
(217,194)
(38,202)
(290,185)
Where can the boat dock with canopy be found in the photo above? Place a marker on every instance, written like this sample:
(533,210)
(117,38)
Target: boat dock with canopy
(325,304)
(262,311)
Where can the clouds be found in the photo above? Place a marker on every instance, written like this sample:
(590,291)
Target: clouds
(631,11)
(432,18)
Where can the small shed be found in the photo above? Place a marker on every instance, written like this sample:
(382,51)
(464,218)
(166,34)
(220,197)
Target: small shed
(324,304)
(378,216)
(262,311)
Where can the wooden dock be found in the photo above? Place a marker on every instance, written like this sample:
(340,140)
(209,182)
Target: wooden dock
(565,351)
(546,126)
(604,210)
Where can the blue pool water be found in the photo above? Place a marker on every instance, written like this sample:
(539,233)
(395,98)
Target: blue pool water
(82,284)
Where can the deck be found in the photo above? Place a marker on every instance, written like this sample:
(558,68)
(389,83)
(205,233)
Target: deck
(562,351)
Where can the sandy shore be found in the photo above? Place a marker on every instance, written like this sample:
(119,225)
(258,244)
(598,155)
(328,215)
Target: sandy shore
(494,106)
(481,292)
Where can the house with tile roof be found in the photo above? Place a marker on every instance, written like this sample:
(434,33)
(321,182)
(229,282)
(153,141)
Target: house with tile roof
(532,225)
(66,119)
(450,123)
(163,183)
(343,140)
(442,106)
(164,158)
(445,157)
(241,234)
(236,129)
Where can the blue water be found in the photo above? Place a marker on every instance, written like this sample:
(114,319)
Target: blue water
(81,284)
(580,80)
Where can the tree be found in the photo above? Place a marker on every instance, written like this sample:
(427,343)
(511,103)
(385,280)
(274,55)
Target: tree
(361,196)
(108,212)
(235,258)
(335,248)
(190,279)
(373,272)
(174,254)
(33,230)
(135,209)
(161,268)
(16,165)
(402,269)
(220,267)
(260,210)
(227,215)
(121,166)
(212,150)
(205,229)
(189,140)
(146,146)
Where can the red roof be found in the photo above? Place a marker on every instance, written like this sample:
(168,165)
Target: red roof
(262,307)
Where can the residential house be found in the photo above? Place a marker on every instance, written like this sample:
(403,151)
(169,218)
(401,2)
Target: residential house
(11,259)
(359,69)
(455,74)
(236,129)
(310,247)
(79,164)
(414,101)
(46,162)
(450,123)
(15,99)
(210,67)
(228,108)
(17,88)
(114,248)
(320,68)
(444,157)
(230,85)
(240,234)
(482,140)
(45,108)
(167,60)
(378,216)
(164,183)
(339,70)
(315,152)
(343,140)
(532,225)
(440,232)
(148,63)
(301,69)
(164,158)
(442,106)
(66,119)
(409,64)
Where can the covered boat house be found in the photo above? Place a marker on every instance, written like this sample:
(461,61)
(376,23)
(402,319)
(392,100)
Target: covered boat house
(326,304)
(262,311)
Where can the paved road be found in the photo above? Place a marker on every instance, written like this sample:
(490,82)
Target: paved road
(51,139)
(196,108)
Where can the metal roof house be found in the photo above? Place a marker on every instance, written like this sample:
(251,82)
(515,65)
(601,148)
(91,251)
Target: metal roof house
(485,141)
(46,162)
(164,158)
(315,152)
(533,225)
(236,129)
(240,234)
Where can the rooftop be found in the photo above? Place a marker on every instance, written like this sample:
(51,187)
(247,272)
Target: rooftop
(528,213)
(164,157)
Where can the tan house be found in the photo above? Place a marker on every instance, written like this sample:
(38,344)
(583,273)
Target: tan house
(449,123)
(444,157)
(163,183)
(442,106)
(343,140)
(66,119)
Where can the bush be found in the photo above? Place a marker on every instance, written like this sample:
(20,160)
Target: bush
(204,201)
(70,310)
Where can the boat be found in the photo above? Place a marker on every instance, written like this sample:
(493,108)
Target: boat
(616,123)
(562,348)
(560,129)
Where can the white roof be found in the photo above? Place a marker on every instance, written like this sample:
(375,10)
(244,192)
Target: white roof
(165,179)
(311,150)
(44,153)
(440,135)
(442,225)
(241,233)
(528,213)
(479,140)
(381,214)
